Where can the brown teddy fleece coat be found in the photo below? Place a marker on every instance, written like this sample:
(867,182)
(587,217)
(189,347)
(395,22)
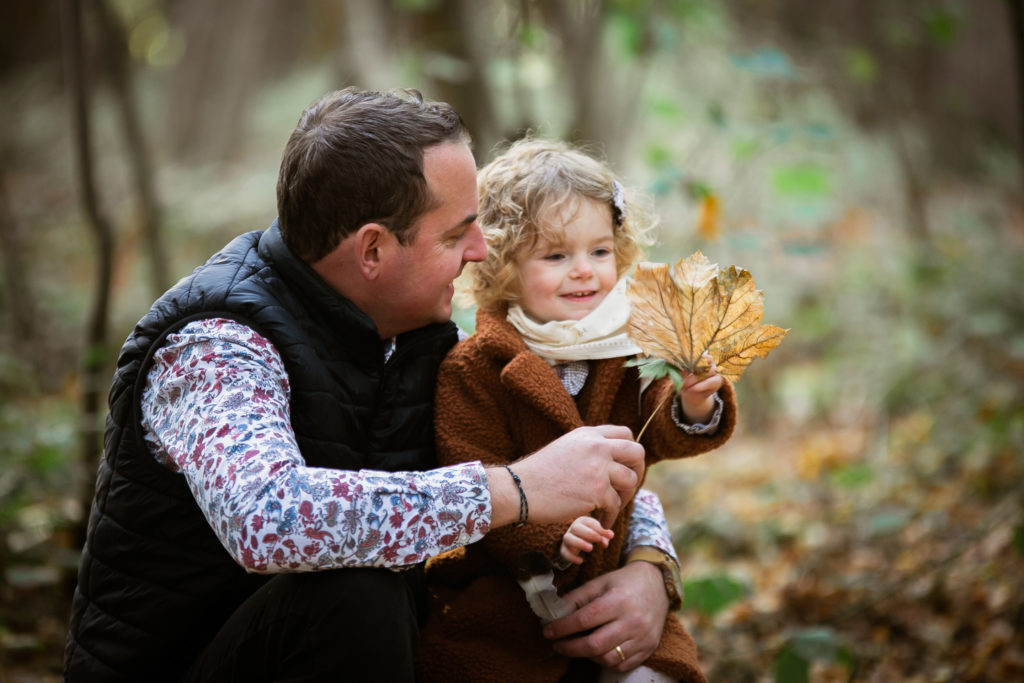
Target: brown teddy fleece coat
(497,402)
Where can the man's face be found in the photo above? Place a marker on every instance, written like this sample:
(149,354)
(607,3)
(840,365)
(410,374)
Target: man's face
(418,282)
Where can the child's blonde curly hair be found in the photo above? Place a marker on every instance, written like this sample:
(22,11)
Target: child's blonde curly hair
(522,194)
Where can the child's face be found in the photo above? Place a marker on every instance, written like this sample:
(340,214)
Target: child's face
(566,281)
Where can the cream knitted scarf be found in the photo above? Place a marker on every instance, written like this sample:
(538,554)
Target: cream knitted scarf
(601,334)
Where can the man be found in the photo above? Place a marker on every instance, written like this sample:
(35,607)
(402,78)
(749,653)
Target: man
(271,421)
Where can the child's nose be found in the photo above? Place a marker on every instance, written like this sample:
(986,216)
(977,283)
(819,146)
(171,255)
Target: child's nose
(581,267)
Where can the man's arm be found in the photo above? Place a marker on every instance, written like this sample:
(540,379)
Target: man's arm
(216,409)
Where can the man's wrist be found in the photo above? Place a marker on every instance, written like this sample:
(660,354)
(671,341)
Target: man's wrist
(669,571)
(504,497)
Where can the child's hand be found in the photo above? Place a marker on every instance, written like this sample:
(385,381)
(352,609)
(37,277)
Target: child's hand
(581,537)
(697,394)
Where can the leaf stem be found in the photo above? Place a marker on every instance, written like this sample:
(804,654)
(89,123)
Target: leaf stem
(644,428)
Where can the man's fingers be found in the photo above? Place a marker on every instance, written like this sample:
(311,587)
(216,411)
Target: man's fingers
(582,619)
(609,464)
(614,431)
(624,480)
(630,454)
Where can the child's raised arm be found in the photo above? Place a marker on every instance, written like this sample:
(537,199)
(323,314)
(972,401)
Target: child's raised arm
(697,394)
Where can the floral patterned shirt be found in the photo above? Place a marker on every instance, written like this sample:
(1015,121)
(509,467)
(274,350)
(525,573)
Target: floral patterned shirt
(215,408)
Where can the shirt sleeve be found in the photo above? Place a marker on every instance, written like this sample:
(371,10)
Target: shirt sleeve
(648,526)
(216,409)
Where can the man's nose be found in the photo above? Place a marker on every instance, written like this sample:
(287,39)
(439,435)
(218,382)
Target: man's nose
(476,245)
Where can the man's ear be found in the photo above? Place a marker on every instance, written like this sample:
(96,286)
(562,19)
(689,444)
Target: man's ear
(371,242)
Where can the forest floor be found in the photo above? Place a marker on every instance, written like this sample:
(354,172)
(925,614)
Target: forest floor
(825,558)
(821,557)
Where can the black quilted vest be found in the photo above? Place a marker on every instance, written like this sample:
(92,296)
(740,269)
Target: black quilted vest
(154,583)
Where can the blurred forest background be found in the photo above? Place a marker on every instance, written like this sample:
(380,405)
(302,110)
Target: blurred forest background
(861,159)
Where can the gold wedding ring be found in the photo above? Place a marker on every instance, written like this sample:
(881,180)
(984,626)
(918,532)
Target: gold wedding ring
(618,651)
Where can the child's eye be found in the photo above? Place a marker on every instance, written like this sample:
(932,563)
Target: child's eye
(556,256)
(602,251)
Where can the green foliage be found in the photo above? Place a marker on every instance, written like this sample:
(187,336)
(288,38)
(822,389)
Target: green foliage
(861,66)
(531,35)
(416,5)
(37,440)
(666,108)
(793,662)
(791,667)
(853,476)
(941,25)
(745,149)
(655,368)
(711,594)
(698,190)
(627,32)
(802,180)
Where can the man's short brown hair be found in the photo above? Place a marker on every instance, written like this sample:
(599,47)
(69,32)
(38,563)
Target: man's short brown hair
(356,157)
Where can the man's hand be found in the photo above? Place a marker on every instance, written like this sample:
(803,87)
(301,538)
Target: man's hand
(589,471)
(625,608)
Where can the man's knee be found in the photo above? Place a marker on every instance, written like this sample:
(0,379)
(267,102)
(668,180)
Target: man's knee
(366,618)
(360,624)
(349,595)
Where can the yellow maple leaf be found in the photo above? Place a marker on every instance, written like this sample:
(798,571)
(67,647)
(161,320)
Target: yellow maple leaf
(681,312)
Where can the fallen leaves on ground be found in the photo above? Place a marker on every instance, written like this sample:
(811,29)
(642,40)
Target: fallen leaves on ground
(815,573)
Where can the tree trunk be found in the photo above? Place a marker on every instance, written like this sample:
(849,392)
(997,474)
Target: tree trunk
(17,290)
(369,32)
(448,33)
(579,32)
(95,352)
(118,69)
(1017,32)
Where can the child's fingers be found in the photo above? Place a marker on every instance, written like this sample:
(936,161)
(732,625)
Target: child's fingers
(703,387)
(591,535)
(570,556)
(595,526)
(577,543)
(689,379)
(598,535)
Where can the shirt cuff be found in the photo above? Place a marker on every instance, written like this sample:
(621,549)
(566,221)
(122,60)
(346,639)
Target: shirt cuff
(647,525)
(706,428)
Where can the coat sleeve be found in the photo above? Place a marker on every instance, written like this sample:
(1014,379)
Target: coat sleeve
(472,422)
(664,440)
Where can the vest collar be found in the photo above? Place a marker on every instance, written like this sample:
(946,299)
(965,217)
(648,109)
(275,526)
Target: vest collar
(303,279)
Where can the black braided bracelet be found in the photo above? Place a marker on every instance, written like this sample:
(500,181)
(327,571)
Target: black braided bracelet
(524,507)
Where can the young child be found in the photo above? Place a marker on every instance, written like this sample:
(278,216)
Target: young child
(548,356)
